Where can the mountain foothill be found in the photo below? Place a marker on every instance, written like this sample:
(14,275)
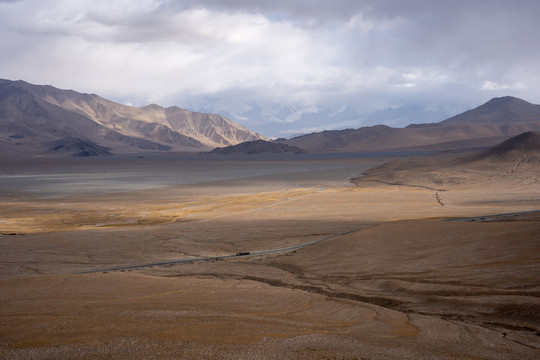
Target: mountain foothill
(516,160)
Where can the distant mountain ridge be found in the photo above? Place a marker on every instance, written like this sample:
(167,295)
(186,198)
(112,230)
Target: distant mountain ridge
(486,125)
(39,114)
(507,109)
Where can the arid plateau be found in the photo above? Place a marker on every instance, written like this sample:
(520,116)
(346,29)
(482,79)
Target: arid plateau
(269,180)
(434,257)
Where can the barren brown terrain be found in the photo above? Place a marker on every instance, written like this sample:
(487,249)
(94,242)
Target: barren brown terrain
(408,266)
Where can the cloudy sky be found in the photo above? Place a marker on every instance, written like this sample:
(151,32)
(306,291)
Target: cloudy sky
(371,55)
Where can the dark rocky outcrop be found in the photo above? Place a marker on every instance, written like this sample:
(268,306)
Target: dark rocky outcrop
(258,147)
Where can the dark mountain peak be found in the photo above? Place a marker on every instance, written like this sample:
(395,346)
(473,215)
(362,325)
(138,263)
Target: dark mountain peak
(503,100)
(40,92)
(26,86)
(507,109)
(507,103)
(14,83)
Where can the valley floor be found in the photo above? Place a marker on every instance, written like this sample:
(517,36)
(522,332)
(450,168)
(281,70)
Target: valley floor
(402,282)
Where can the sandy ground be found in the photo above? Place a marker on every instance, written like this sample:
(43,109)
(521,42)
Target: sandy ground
(404,283)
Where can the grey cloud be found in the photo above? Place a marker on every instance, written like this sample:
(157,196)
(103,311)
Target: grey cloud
(316,9)
(379,9)
(455,33)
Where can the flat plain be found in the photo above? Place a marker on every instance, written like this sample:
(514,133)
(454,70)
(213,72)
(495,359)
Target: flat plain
(404,264)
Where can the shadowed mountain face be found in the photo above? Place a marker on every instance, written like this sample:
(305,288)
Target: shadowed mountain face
(515,159)
(258,147)
(487,125)
(78,148)
(36,115)
(525,147)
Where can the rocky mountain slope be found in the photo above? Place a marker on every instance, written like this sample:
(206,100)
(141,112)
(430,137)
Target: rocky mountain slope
(32,116)
(487,125)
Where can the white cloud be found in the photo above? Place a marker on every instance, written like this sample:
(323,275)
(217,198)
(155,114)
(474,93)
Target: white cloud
(491,85)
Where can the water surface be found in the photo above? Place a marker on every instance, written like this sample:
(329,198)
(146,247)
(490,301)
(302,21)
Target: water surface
(44,178)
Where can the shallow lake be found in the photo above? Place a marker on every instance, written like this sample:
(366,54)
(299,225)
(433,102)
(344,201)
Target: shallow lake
(64,177)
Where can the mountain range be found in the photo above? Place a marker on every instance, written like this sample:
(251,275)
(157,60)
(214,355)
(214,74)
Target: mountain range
(41,119)
(486,125)
(290,119)
(34,116)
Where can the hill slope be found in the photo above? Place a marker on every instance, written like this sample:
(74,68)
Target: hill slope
(36,115)
(525,146)
(514,160)
(489,124)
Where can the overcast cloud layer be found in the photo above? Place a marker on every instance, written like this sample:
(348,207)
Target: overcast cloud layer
(226,54)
